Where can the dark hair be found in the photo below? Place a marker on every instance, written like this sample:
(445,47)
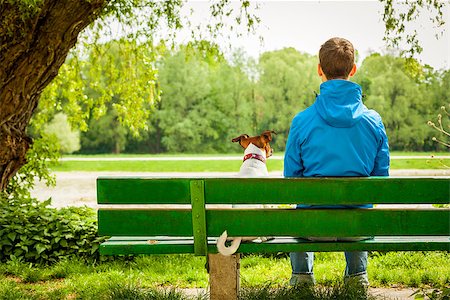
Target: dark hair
(337,57)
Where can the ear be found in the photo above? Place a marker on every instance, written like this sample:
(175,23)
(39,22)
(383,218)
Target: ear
(321,73)
(319,70)
(353,71)
(238,139)
(267,135)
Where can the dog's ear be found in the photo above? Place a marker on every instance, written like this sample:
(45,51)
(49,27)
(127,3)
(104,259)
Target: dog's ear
(267,135)
(239,138)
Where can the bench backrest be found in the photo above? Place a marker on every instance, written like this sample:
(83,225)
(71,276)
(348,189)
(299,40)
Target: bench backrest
(193,217)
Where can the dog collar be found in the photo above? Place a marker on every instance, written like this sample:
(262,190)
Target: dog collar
(255,156)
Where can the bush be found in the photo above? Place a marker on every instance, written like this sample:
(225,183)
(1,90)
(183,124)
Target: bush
(31,231)
(69,139)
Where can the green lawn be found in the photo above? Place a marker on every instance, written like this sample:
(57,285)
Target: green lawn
(238,154)
(214,165)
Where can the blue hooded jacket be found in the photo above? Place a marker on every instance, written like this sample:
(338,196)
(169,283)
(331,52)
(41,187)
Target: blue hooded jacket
(337,136)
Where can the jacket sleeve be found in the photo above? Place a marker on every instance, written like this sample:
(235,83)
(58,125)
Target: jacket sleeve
(293,165)
(382,160)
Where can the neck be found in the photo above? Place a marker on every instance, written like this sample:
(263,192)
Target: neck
(254,152)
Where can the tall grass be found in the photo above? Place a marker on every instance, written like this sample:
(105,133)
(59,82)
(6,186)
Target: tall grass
(337,291)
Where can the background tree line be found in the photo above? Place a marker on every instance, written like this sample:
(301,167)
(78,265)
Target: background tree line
(206,99)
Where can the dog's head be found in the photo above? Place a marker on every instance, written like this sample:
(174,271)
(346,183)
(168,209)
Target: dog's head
(261,141)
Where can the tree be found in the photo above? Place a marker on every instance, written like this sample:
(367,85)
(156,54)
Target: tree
(405,99)
(35,40)
(203,102)
(36,37)
(286,86)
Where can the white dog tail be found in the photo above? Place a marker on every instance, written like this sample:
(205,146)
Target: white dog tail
(224,250)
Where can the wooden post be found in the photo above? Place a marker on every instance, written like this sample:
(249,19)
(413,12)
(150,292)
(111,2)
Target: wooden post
(224,277)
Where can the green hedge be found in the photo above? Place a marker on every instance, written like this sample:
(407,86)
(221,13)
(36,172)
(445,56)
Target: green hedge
(31,231)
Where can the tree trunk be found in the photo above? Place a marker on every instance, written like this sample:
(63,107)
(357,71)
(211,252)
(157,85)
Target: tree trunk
(33,46)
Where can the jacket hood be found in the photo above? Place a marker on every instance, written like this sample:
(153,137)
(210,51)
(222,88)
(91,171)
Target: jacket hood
(340,103)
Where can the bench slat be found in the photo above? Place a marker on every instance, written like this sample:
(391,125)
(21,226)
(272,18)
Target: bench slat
(137,222)
(375,190)
(143,191)
(329,222)
(275,222)
(141,245)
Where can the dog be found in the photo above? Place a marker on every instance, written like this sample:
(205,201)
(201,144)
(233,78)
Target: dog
(257,151)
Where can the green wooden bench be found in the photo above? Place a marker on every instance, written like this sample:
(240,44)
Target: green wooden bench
(186,215)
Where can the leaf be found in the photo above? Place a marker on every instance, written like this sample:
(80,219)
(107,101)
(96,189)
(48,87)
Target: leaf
(40,248)
(12,236)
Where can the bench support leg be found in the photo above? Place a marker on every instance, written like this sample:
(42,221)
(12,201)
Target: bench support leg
(224,277)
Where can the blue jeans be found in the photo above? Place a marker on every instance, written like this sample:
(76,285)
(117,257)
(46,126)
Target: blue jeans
(303,263)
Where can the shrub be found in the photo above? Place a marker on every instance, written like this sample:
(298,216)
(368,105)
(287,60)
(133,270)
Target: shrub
(68,138)
(31,231)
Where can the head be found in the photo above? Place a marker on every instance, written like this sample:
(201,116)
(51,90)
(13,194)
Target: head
(337,59)
(261,141)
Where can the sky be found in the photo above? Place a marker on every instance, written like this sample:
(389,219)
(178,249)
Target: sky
(306,25)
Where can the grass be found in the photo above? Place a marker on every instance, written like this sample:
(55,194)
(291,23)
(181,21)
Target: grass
(214,165)
(337,291)
(432,163)
(262,277)
(236,154)
(156,166)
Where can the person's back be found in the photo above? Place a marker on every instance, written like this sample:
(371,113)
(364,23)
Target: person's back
(336,136)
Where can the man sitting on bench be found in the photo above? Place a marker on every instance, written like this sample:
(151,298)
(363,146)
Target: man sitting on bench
(336,136)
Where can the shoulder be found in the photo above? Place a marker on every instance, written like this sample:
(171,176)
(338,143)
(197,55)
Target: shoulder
(371,116)
(374,119)
(301,123)
(304,116)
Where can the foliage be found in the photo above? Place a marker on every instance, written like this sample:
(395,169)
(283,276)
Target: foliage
(122,74)
(398,16)
(200,104)
(68,139)
(404,101)
(31,231)
(286,85)
(207,99)
(119,76)
(43,153)
(105,135)
(123,47)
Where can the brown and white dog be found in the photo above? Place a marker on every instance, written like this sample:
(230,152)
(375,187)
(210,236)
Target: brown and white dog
(257,150)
